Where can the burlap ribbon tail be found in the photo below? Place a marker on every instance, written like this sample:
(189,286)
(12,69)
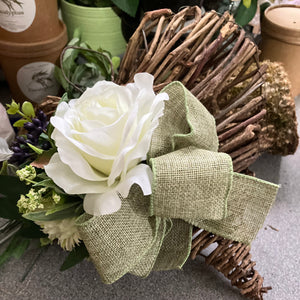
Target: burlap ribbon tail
(193,185)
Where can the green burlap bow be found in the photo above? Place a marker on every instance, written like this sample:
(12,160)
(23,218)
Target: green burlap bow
(193,185)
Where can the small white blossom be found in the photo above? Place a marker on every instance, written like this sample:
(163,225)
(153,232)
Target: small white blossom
(55,197)
(65,231)
(29,203)
(28,173)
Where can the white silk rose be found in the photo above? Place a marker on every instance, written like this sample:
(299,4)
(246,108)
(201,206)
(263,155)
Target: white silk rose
(101,138)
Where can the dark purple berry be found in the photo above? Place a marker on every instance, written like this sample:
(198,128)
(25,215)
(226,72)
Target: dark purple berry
(30,137)
(29,126)
(39,130)
(20,139)
(41,116)
(36,122)
(16,149)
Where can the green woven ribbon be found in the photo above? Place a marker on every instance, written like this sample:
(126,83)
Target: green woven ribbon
(193,185)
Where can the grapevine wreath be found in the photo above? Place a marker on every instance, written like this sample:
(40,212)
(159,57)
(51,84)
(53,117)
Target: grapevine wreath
(141,173)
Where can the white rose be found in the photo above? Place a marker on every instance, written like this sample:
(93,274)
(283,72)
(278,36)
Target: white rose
(101,138)
(5,153)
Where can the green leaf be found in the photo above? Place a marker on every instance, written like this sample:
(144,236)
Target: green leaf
(62,212)
(116,62)
(50,184)
(35,149)
(61,207)
(10,190)
(3,170)
(27,109)
(247,3)
(42,175)
(128,6)
(76,34)
(16,248)
(78,254)
(64,98)
(50,129)
(20,123)
(60,78)
(13,108)
(8,169)
(31,230)
(44,136)
(244,15)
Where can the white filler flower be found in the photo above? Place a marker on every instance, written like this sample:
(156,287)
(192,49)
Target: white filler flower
(65,231)
(101,138)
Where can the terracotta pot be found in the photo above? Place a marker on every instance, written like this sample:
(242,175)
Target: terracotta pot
(99,26)
(29,21)
(29,67)
(281,40)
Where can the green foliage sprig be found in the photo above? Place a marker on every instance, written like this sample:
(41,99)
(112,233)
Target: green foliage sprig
(84,66)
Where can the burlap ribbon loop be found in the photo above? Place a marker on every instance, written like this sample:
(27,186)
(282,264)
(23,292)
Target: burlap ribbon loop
(193,185)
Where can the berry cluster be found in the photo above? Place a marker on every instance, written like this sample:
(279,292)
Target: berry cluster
(20,146)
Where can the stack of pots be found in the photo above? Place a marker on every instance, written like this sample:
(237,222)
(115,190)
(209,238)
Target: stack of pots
(31,40)
(281,40)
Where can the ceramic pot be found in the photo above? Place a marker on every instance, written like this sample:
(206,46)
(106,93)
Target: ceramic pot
(281,40)
(28,21)
(29,67)
(99,26)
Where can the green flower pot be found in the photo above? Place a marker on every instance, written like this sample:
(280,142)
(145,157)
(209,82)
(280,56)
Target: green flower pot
(99,26)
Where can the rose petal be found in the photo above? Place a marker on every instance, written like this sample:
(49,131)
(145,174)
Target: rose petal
(5,152)
(65,178)
(70,156)
(144,81)
(102,204)
(61,109)
(109,202)
(141,175)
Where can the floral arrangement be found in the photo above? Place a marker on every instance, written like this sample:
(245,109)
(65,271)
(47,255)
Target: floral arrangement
(107,178)
(96,143)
